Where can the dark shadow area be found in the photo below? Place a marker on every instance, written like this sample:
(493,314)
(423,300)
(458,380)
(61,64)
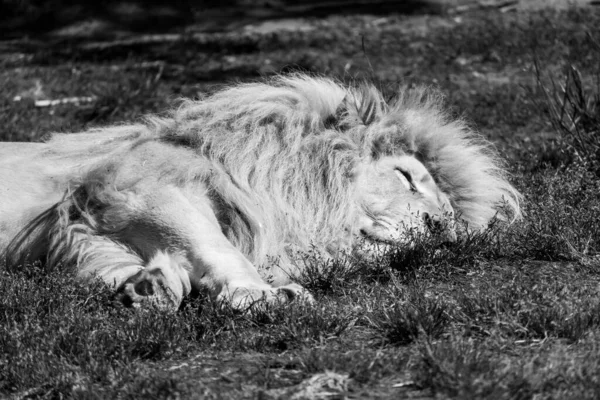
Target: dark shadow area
(106,18)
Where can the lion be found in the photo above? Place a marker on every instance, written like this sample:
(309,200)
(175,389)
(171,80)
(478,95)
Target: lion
(222,193)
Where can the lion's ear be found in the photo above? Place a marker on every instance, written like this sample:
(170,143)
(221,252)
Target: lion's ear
(365,106)
(371,106)
(344,117)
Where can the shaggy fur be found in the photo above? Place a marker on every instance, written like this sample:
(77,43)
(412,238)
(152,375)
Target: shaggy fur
(287,145)
(276,160)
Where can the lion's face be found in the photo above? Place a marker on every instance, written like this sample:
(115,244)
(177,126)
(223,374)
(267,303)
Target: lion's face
(396,194)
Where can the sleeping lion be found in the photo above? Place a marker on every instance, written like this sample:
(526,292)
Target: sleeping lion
(222,194)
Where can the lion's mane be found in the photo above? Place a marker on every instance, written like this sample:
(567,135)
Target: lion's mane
(291,148)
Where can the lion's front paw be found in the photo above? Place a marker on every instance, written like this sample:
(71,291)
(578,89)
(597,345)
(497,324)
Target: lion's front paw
(147,288)
(293,291)
(243,298)
(162,284)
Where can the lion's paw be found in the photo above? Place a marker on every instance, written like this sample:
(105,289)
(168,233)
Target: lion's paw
(293,291)
(243,298)
(162,284)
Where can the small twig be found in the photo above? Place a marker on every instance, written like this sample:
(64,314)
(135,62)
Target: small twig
(66,100)
(502,5)
(367,56)
(403,384)
(140,40)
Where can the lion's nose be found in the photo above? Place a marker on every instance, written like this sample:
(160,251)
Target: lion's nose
(440,227)
(433,223)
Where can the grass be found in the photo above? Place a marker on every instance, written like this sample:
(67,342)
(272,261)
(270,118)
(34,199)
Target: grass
(513,312)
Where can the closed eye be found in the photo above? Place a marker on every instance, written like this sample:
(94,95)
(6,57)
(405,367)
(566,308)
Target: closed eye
(406,177)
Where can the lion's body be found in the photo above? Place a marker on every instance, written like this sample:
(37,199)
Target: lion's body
(35,176)
(243,178)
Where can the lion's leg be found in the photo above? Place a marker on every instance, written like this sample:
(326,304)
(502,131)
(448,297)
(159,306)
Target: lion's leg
(170,220)
(163,281)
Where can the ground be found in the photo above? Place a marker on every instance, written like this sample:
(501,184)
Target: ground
(512,313)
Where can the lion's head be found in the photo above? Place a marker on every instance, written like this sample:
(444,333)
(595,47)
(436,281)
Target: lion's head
(397,194)
(308,161)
